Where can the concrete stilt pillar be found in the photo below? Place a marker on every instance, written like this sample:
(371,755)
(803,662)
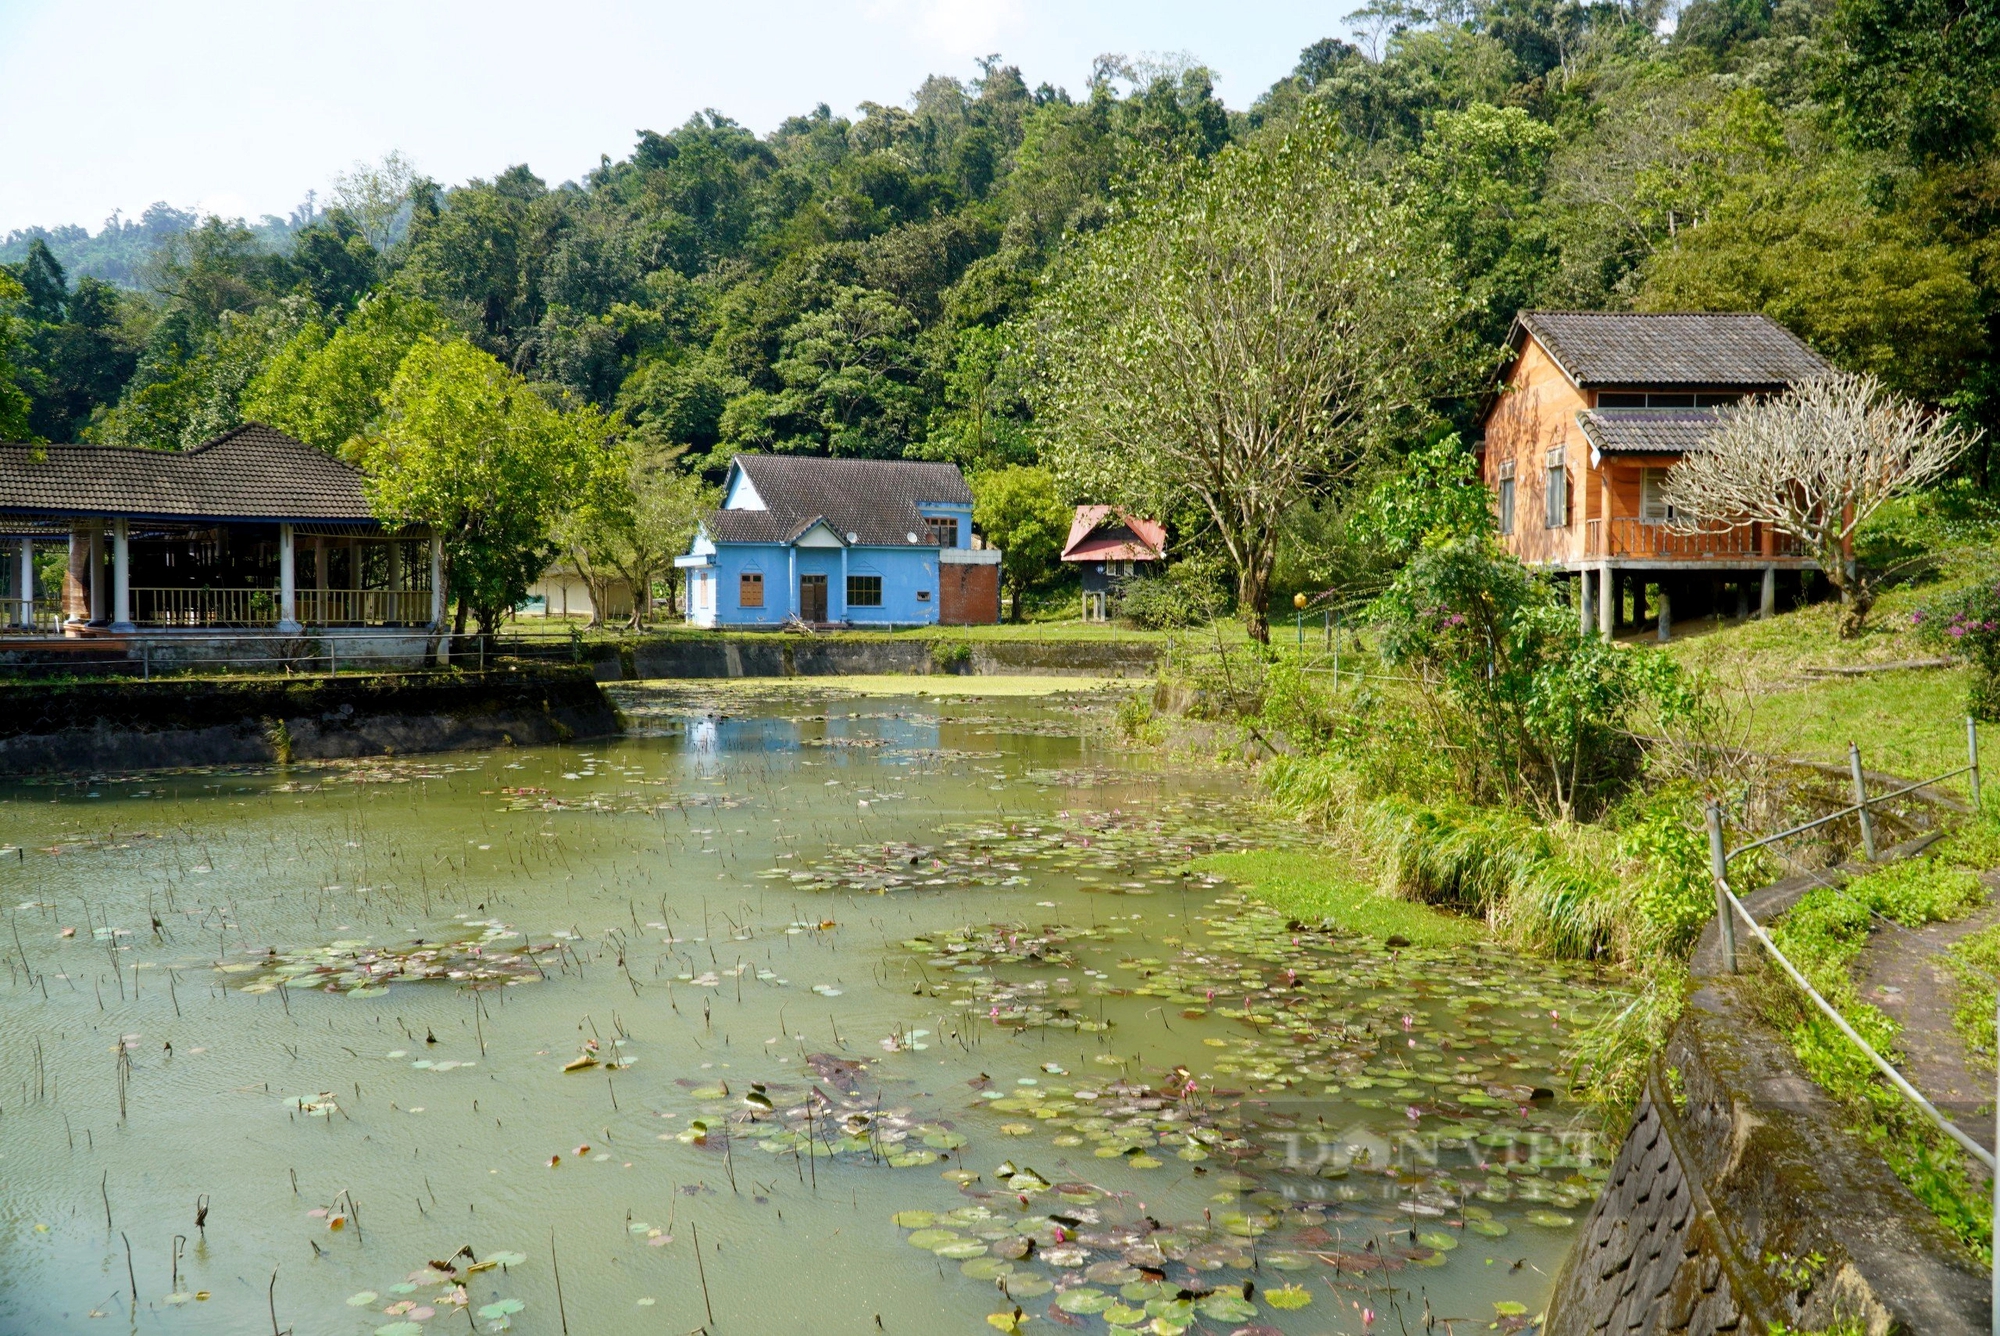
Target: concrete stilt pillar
(1583,603)
(437,582)
(27,584)
(1607,602)
(1666,616)
(1767,604)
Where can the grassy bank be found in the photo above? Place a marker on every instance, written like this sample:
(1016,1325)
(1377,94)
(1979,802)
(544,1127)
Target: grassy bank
(1320,886)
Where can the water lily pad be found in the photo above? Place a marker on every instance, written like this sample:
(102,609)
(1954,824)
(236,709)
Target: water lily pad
(1438,1239)
(915,1219)
(1550,1219)
(912,1159)
(362,1299)
(1491,1229)
(499,1308)
(959,1250)
(931,1238)
(985,1268)
(504,1258)
(1018,1286)
(1084,1300)
(1288,1296)
(1509,1308)
(1124,1315)
(1287,1261)
(1226,1307)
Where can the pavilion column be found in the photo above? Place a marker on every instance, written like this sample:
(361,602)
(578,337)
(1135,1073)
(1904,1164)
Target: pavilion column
(288,585)
(437,581)
(395,614)
(791,582)
(76,580)
(121,577)
(97,617)
(320,551)
(27,584)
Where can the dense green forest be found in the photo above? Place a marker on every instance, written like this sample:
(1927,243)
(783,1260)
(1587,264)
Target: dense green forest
(860,285)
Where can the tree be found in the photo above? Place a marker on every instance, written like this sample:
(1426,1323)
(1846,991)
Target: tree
(14,401)
(667,506)
(1237,337)
(1021,513)
(471,451)
(326,384)
(1814,463)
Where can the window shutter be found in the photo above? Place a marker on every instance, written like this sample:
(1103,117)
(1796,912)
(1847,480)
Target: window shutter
(1653,505)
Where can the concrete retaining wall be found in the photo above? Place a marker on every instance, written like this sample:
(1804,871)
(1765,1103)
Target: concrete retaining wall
(800,656)
(1737,1173)
(91,726)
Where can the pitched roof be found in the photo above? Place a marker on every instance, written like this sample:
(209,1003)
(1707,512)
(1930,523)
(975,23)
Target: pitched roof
(875,500)
(1647,431)
(1106,533)
(1732,349)
(253,473)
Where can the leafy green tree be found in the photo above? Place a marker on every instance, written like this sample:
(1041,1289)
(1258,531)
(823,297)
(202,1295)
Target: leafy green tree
(1237,338)
(849,373)
(1020,511)
(1529,708)
(327,384)
(15,405)
(470,450)
(1920,75)
(983,419)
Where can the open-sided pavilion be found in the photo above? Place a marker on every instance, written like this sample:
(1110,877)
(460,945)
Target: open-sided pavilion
(253,531)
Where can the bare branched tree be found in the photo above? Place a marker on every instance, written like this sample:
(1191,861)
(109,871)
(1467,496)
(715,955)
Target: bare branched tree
(1815,463)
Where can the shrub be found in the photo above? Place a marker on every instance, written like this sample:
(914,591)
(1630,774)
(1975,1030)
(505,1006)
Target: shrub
(1966,622)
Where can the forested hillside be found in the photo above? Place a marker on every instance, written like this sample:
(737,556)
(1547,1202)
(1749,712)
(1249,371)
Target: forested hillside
(856,285)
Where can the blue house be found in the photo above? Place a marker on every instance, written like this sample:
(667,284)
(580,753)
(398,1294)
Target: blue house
(840,542)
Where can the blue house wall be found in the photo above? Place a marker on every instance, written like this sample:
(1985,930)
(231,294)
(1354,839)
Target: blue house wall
(911,590)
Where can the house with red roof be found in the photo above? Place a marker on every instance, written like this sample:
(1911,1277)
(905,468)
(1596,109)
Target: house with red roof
(1110,545)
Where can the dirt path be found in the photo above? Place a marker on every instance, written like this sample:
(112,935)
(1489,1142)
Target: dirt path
(1901,972)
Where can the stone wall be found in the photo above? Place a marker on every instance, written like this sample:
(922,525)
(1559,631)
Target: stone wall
(1740,1200)
(803,656)
(95,726)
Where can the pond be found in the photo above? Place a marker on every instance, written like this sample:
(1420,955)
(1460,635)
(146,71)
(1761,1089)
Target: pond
(789,1012)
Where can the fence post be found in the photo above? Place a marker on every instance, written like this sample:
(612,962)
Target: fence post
(1861,802)
(1718,866)
(1972,759)
(332,659)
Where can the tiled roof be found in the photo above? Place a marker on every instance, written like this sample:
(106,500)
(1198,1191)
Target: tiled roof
(1647,431)
(1719,349)
(876,500)
(1106,533)
(254,473)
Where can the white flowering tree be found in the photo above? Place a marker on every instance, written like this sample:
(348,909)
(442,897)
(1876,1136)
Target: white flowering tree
(1815,463)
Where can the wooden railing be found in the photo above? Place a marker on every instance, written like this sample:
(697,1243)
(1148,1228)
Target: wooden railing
(1630,537)
(21,615)
(365,607)
(259,607)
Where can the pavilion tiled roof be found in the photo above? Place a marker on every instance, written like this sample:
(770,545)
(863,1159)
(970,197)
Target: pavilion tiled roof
(251,474)
(1738,350)
(875,500)
(1647,431)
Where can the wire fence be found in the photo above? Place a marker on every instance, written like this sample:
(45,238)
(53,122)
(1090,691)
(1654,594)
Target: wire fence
(1728,908)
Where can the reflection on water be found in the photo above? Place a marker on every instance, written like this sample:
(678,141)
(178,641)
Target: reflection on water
(910,1010)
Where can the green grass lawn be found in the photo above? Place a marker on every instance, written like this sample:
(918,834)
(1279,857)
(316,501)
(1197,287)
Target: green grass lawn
(1320,885)
(1907,722)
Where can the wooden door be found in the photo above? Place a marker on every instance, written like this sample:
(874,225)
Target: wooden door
(812,597)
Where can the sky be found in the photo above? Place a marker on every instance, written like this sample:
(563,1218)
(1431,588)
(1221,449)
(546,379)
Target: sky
(241,108)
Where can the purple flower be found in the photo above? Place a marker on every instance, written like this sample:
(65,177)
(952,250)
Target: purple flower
(1958,632)
(1917,617)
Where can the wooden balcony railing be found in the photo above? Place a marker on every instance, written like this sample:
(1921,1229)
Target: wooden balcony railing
(259,607)
(365,607)
(1630,537)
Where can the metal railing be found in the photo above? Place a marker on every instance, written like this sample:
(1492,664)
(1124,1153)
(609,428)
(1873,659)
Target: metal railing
(364,607)
(1728,909)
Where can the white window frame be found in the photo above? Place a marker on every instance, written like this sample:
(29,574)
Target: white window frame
(1555,507)
(1504,497)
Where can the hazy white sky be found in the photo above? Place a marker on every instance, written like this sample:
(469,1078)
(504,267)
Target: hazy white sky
(241,108)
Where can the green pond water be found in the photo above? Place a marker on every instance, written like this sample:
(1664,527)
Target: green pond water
(913,1012)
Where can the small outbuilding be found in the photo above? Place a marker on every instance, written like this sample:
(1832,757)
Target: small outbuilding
(840,543)
(1110,546)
